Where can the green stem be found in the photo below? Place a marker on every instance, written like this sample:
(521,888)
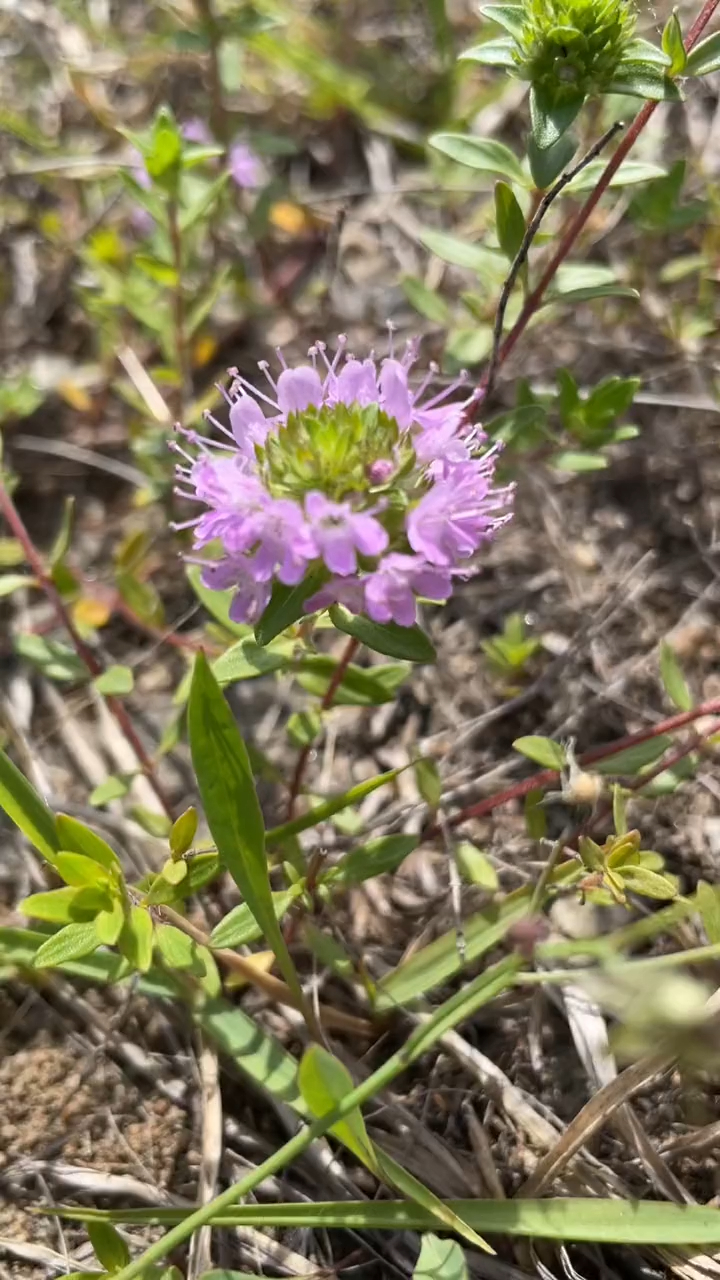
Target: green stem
(459,1007)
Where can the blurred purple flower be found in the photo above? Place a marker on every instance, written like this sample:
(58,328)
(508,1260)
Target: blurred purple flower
(245,166)
(291,486)
(196,130)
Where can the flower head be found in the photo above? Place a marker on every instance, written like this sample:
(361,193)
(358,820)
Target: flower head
(340,470)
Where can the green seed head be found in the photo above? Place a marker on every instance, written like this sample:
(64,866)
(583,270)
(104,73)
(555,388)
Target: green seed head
(574,46)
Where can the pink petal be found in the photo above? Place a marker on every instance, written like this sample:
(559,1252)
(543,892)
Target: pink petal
(299,388)
(397,401)
(369,535)
(248,422)
(357,383)
(338,552)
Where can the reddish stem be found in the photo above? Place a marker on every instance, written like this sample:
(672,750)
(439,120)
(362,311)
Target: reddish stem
(546,776)
(328,699)
(85,653)
(579,221)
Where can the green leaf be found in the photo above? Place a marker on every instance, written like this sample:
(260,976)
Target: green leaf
(673,679)
(383,854)
(63,906)
(111,1250)
(79,838)
(630,173)
(287,604)
(156,824)
(550,120)
(217,603)
(247,660)
(707,897)
(639,50)
(55,659)
(509,219)
(535,814)
(436,963)
(70,943)
(23,806)
(227,789)
(183,831)
(239,926)
(359,687)
(10,582)
(109,923)
(568,460)
(136,939)
(565,1218)
(635,758)
(482,154)
(493,53)
(547,163)
(570,297)
(416,1191)
(304,727)
(388,638)
(204,204)
(648,883)
(324,1082)
(705,57)
(322,812)
(113,788)
(544,751)
(509,16)
(428,781)
(162,152)
(488,266)
(201,869)
(426,301)
(115,681)
(440,1259)
(76,869)
(640,80)
(475,866)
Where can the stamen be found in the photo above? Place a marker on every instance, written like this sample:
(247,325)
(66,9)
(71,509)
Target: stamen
(281,358)
(448,391)
(264,367)
(178,526)
(391,328)
(433,370)
(255,393)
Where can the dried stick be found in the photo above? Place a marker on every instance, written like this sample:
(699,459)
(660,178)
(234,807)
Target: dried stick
(85,653)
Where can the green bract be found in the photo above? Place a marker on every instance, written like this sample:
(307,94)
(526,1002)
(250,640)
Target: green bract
(332,448)
(570,50)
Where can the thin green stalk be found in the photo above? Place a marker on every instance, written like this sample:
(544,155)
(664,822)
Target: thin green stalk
(693,955)
(456,1009)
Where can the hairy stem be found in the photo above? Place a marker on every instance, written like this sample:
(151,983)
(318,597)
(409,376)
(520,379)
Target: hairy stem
(328,699)
(182,351)
(521,256)
(581,218)
(547,776)
(85,653)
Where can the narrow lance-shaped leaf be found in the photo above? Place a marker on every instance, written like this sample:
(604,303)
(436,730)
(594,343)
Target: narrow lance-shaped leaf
(227,788)
(24,807)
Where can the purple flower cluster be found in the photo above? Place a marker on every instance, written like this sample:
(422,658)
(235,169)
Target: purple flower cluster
(418,503)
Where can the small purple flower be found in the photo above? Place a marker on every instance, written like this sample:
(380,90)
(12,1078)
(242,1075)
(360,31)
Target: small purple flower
(390,592)
(339,533)
(459,513)
(290,487)
(245,166)
(251,597)
(196,131)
